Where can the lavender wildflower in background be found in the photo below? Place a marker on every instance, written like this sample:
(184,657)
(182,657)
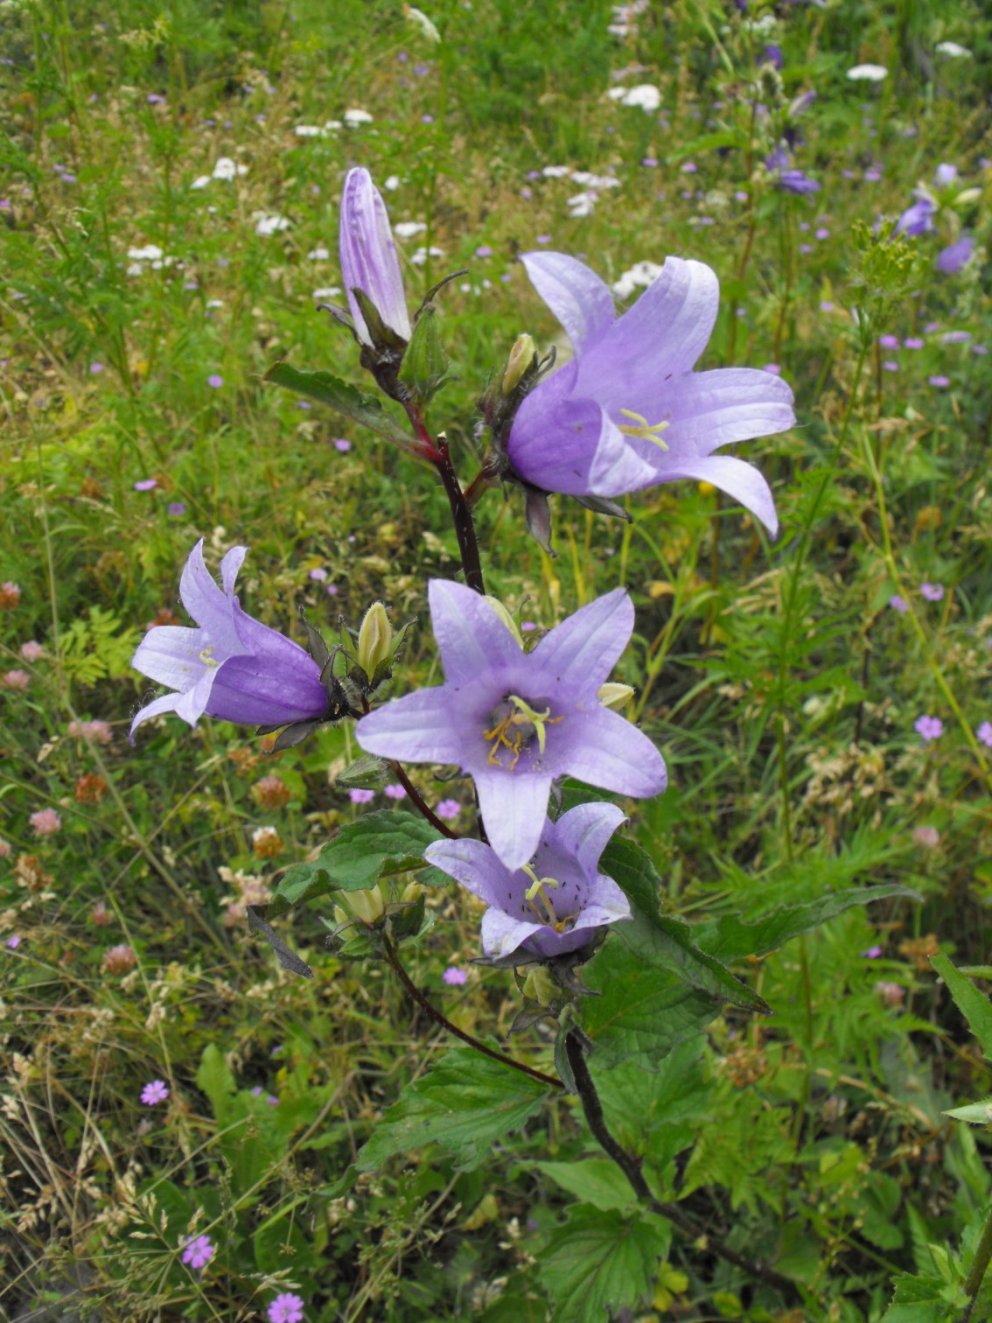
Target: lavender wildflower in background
(454,977)
(155,1092)
(286,1308)
(984,733)
(628,412)
(898,603)
(368,256)
(515,720)
(232,667)
(558,902)
(953,258)
(933,592)
(928,728)
(917,219)
(198,1253)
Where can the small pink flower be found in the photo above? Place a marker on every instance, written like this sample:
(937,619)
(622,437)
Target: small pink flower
(214,381)
(32,651)
(119,959)
(454,977)
(13,942)
(448,809)
(898,603)
(933,592)
(18,680)
(198,1253)
(155,1092)
(10,594)
(46,822)
(929,728)
(286,1308)
(359,796)
(891,993)
(984,733)
(928,837)
(342,445)
(146,485)
(395,792)
(99,732)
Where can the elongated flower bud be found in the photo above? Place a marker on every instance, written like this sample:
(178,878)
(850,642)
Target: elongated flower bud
(375,640)
(614,695)
(367,906)
(368,258)
(523,358)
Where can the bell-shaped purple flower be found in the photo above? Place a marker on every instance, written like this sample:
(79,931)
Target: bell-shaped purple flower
(951,259)
(231,666)
(628,412)
(368,257)
(557,903)
(917,219)
(515,720)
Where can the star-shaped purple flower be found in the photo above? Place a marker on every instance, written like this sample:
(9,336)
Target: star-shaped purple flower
(628,412)
(232,667)
(558,902)
(515,720)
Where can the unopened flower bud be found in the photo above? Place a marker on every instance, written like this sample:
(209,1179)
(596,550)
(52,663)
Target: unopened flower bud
(411,893)
(615,696)
(539,986)
(523,358)
(366,906)
(375,640)
(505,616)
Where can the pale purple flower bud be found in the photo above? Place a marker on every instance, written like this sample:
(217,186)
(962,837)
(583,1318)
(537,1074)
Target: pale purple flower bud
(368,256)
(232,666)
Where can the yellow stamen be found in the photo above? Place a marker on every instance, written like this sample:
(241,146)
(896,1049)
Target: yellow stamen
(645,430)
(207,656)
(510,731)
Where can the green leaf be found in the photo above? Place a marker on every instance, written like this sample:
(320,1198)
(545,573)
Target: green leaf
(599,1263)
(977,1113)
(663,942)
(596,1181)
(466,1103)
(922,1299)
(214,1078)
(731,937)
(641,1010)
(377,845)
(345,398)
(973,1004)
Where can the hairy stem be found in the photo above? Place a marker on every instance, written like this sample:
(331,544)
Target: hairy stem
(421,805)
(392,955)
(461,514)
(975,1277)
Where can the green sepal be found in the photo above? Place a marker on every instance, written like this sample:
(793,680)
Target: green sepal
(425,364)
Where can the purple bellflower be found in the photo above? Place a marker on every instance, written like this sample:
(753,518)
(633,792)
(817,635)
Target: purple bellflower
(950,260)
(515,720)
(368,257)
(628,412)
(558,902)
(917,219)
(232,666)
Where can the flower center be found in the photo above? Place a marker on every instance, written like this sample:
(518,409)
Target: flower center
(516,725)
(541,903)
(645,430)
(207,656)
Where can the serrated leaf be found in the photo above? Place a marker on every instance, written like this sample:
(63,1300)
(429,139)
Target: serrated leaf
(972,1003)
(466,1103)
(345,398)
(596,1181)
(731,937)
(642,1011)
(664,942)
(384,842)
(599,1264)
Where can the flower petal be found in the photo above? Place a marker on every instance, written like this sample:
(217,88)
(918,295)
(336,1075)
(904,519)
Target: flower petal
(230,566)
(502,934)
(582,650)
(171,654)
(584,831)
(577,297)
(738,479)
(603,749)
(706,410)
(167,703)
(471,637)
(513,808)
(422,727)
(475,866)
(210,606)
(657,339)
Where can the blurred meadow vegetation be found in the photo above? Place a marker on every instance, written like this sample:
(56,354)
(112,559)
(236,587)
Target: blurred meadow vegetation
(145,292)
